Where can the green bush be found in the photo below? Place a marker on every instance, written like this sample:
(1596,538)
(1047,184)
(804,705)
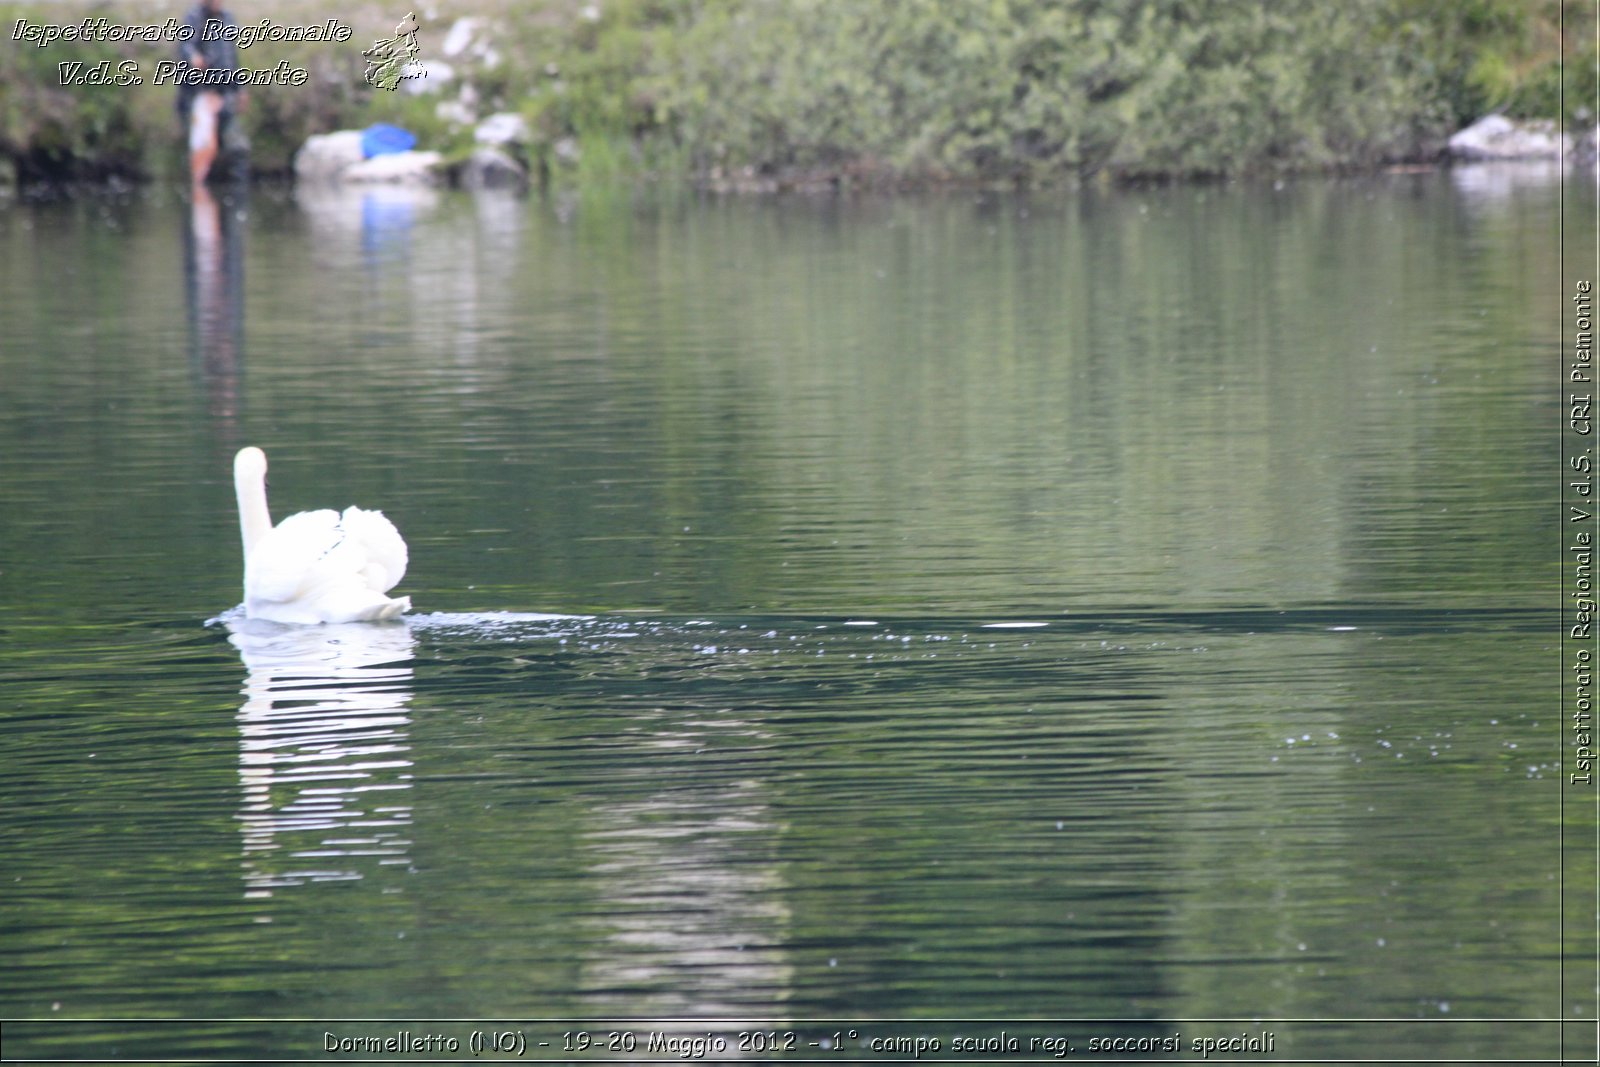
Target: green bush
(1043,89)
(1510,56)
(57,132)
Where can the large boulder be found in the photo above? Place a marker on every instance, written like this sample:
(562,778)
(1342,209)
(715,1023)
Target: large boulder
(338,157)
(1586,147)
(326,156)
(490,168)
(1495,137)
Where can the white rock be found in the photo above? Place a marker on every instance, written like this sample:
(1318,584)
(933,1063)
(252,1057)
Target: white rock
(428,76)
(1495,137)
(501,128)
(327,156)
(404,168)
(461,35)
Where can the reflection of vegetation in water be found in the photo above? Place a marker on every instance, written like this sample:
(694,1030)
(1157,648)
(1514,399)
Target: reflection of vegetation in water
(1024,89)
(1135,397)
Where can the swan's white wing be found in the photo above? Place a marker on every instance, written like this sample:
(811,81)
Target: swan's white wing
(381,546)
(291,559)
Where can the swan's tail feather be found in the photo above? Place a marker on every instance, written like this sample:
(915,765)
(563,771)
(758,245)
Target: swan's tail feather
(379,608)
(393,609)
(383,549)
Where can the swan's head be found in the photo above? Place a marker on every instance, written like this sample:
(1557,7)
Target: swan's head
(250,465)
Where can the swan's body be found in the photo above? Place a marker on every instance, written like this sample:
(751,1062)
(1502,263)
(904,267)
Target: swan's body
(316,566)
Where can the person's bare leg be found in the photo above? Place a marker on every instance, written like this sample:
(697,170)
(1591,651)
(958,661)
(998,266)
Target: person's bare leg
(203,136)
(200,161)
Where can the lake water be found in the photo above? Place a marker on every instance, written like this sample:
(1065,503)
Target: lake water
(1116,615)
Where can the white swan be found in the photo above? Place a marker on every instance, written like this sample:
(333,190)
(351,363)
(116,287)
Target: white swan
(316,566)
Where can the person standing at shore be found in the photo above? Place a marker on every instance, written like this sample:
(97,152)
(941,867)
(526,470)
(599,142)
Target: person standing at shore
(207,109)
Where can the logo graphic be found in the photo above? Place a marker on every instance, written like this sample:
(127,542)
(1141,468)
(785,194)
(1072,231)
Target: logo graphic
(393,60)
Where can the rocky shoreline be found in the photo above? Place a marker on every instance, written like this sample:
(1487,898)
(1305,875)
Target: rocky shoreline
(756,98)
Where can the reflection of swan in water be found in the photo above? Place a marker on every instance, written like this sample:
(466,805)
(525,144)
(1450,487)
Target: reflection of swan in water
(316,566)
(323,751)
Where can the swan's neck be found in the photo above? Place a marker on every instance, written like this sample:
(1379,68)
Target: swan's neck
(254,519)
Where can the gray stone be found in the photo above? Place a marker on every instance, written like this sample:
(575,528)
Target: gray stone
(490,168)
(1586,147)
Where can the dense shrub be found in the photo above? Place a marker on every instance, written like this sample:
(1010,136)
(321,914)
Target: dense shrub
(56,132)
(1510,56)
(1043,89)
